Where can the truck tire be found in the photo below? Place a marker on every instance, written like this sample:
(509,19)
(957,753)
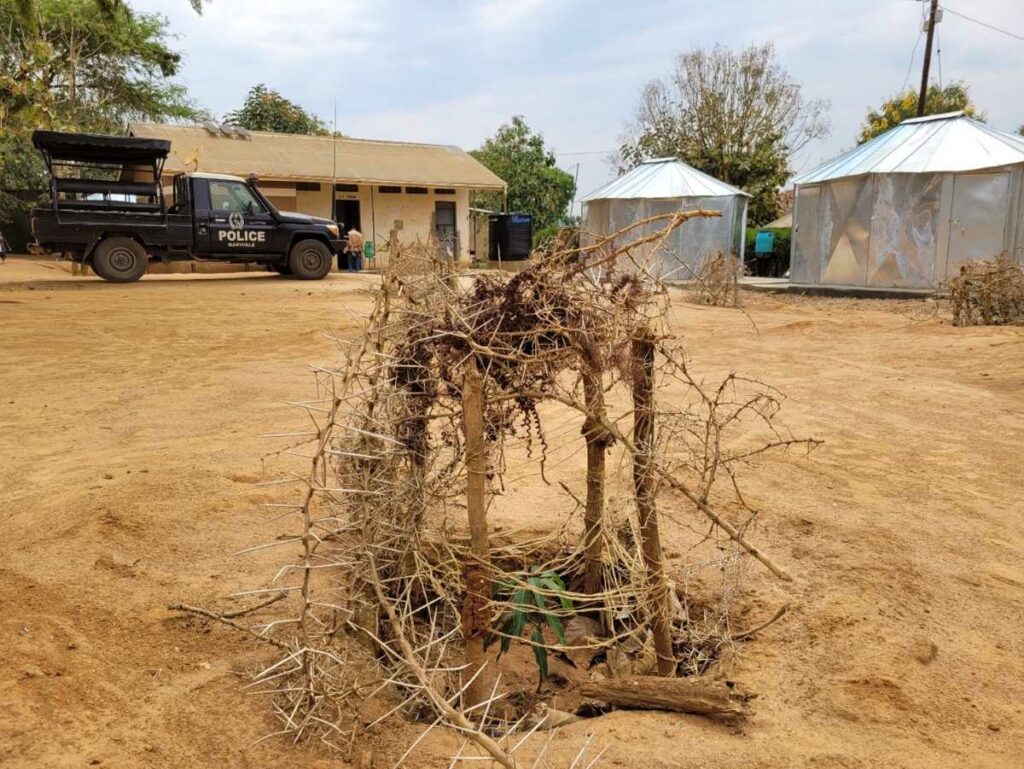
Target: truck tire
(119,260)
(309,260)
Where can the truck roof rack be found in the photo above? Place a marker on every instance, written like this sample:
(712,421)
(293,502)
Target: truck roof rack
(96,148)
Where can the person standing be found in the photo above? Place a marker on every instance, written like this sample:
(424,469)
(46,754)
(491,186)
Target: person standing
(354,250)
(4,248)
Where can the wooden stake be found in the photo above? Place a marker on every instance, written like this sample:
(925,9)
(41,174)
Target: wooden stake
(476,618)
(598,440)
(643,481)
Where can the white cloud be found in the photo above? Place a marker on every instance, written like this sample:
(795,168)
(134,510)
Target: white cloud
(451,72)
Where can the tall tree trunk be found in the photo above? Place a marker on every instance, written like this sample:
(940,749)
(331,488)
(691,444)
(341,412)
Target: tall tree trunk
(647,512)
(476,618)
(598,439)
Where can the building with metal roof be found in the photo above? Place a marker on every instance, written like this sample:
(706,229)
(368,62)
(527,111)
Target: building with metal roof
(906,208)
(378,186)
(664,186)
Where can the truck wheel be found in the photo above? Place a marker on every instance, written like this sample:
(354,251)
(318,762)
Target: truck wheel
(309,260)
(119,260)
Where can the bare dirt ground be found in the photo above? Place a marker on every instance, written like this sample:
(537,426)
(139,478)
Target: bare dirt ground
(130,419)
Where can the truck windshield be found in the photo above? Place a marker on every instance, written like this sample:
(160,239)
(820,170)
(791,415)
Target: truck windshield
(233,197)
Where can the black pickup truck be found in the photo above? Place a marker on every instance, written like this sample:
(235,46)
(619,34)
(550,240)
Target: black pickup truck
(109,210)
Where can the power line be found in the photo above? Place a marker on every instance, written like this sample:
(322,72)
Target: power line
(984,23)
(910,67)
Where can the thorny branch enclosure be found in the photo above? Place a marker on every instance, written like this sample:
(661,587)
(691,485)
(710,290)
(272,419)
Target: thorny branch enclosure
(401,593)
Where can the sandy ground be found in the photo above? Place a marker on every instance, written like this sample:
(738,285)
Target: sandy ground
(130,419)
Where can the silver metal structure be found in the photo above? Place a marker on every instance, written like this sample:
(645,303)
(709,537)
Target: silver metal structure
(905,209)
(665,186)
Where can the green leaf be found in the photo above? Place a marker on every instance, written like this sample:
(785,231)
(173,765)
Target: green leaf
(540,653)
(559,587)
(553,577)
(517,624)
(540,599)
(556,625)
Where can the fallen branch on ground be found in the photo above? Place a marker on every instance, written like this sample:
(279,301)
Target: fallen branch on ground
(717,701)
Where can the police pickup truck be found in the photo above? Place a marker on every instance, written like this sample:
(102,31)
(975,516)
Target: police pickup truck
(109,209)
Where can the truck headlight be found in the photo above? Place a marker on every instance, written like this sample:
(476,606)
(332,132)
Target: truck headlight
(333,229)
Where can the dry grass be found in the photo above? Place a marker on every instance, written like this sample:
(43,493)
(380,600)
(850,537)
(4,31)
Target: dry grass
(988,293)
(716,281)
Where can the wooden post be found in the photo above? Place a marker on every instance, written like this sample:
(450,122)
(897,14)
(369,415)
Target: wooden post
(598,439)
(476,618)
(643,481)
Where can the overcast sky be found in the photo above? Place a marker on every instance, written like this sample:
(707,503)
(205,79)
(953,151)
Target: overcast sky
(451,71)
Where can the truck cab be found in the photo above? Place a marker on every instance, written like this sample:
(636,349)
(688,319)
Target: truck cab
(109,210)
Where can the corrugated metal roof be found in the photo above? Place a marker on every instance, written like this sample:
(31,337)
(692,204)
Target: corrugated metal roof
(783,222)
(293,156)
(664,178)
(935,144)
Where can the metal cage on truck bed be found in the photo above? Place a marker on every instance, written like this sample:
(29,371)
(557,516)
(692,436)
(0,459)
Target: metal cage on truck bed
(109,173)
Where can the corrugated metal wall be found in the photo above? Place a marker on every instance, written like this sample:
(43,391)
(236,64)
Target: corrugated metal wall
(903,230)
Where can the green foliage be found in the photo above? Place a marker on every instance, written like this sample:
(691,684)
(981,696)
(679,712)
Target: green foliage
(1021,130)
(535,184)
(267,110)
(894,110)
(736,115)
(533,606)
(78,65)
(783,237)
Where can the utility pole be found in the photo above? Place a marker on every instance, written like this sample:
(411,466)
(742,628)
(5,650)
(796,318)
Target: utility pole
(927,56)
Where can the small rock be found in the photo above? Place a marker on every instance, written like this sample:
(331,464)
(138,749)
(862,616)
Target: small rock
(23,631)
(72,646)
(204,665)
(994,727)
(924,650)
(108,477)
(32,671)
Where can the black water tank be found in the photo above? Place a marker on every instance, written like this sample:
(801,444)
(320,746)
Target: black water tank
(510,237)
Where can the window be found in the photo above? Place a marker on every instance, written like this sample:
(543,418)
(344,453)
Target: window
(233,197)
(416,190)
(444,191)
(389,189)
(307,186)
(346,188)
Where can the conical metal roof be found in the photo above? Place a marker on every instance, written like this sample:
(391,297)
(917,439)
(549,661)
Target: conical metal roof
(664,178)
(950,142)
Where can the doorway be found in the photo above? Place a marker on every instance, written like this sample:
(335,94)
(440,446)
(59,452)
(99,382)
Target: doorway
(346,214)
(978,220)
(444,227)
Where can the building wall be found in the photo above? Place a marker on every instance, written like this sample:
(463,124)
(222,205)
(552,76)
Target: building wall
(411,214)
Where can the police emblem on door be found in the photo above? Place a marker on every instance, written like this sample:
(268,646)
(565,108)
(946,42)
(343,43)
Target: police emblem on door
(236,221)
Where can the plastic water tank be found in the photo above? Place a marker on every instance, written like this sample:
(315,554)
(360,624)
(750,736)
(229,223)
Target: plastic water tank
(510,237)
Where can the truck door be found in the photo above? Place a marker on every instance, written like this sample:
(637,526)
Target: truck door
(236,222)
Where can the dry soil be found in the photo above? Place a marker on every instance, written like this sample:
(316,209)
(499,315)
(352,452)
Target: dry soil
(130,423)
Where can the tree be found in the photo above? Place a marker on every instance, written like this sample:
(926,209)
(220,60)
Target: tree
(736,115)
(1021,130)
(535,184)
(77,65)
(894,110)
(267,110)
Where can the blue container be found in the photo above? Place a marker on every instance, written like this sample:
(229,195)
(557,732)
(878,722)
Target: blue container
(764,243)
